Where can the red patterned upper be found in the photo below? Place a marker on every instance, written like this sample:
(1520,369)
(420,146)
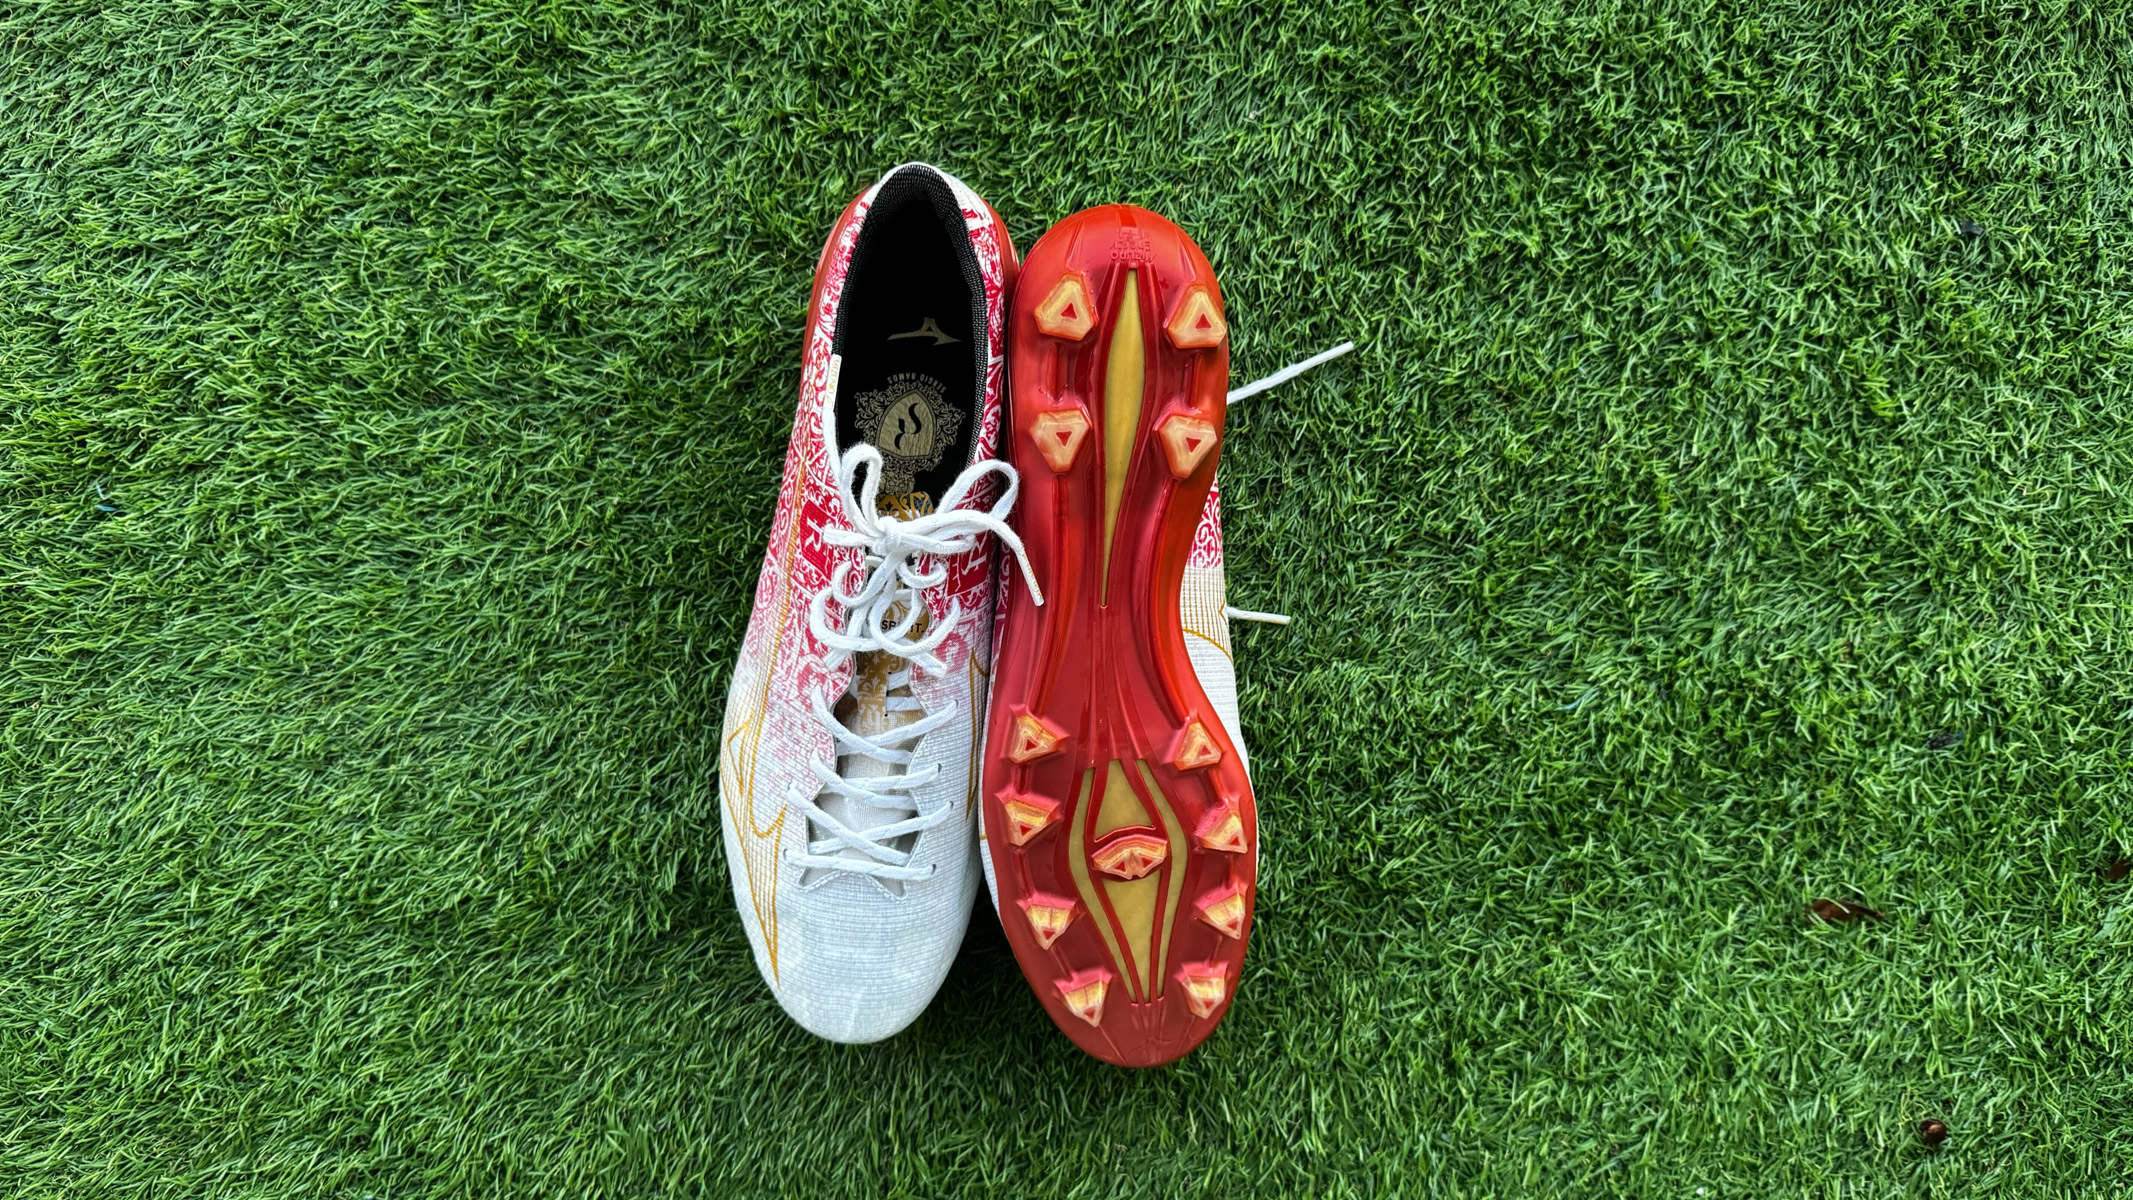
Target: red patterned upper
(770,734)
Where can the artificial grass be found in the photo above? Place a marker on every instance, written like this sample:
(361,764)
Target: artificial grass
(1728,507)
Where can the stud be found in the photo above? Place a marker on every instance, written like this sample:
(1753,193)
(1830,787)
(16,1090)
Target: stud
(1032,737)
(1084,991)
(1027,816)
(1048,916)
(1223,909)
(1058,435)
(1198,323)
(1188,441)
(1131,856)
(1206,986)
(1066,312)
(1222,829)
(1195,749)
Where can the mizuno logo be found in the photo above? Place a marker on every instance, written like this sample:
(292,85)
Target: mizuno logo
(930,329)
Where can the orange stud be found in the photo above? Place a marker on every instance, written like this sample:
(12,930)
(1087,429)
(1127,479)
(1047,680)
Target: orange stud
(1198,322)
(1195,748)
(1222,829)
(1223,909)
(1032,737)
(1048,916)
(1084,991)
(1027,816)
(1132,856)
(1058,435)
(1187,441)
(1206,986)
(1066,313)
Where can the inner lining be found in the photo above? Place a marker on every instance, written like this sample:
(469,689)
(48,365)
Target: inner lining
(911,331)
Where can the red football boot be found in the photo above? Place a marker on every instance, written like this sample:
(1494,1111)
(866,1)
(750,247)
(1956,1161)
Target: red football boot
(1120,831)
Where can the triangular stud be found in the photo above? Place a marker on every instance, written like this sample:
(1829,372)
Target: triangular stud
(1222,829)
(1187,441)
(1195,748)
(1083,993)
(1048,916)
(1223,909)
(1198,322)
(1027,816)
(1065,312)
(1132,856)
(1058,435)
(1206,986)
(1032,737)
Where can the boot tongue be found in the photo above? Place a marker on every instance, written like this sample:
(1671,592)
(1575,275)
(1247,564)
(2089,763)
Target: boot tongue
(865,711)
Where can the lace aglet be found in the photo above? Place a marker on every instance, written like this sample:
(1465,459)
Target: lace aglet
(1029,573)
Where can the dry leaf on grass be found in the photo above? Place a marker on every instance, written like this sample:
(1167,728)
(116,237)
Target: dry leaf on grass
(1834,912)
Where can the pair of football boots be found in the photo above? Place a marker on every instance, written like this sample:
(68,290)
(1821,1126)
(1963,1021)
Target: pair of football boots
(990,632)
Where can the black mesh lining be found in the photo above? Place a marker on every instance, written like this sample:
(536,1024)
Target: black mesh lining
(912,263)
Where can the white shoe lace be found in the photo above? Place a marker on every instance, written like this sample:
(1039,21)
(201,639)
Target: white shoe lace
(880,617)
(1252,389)
(1289,372)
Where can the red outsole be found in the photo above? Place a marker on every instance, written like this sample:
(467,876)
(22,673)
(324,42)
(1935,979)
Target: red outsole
(1110,784)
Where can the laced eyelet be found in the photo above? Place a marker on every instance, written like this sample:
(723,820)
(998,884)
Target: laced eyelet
(898,562)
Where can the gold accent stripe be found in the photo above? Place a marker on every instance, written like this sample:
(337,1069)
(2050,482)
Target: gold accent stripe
(1133,901)
(979,694)
(1224,650)
(1125,374)
(755,841)
(1091,899)
(1174,830)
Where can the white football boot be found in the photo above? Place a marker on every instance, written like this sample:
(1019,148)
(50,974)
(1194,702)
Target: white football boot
(847,763)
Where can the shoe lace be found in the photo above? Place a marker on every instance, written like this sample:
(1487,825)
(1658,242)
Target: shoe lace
(1252,389)
(884,615)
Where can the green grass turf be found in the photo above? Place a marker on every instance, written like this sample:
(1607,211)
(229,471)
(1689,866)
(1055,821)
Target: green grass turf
(390,401)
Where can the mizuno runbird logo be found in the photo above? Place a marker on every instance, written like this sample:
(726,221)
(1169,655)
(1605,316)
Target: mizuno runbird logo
(930,329)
